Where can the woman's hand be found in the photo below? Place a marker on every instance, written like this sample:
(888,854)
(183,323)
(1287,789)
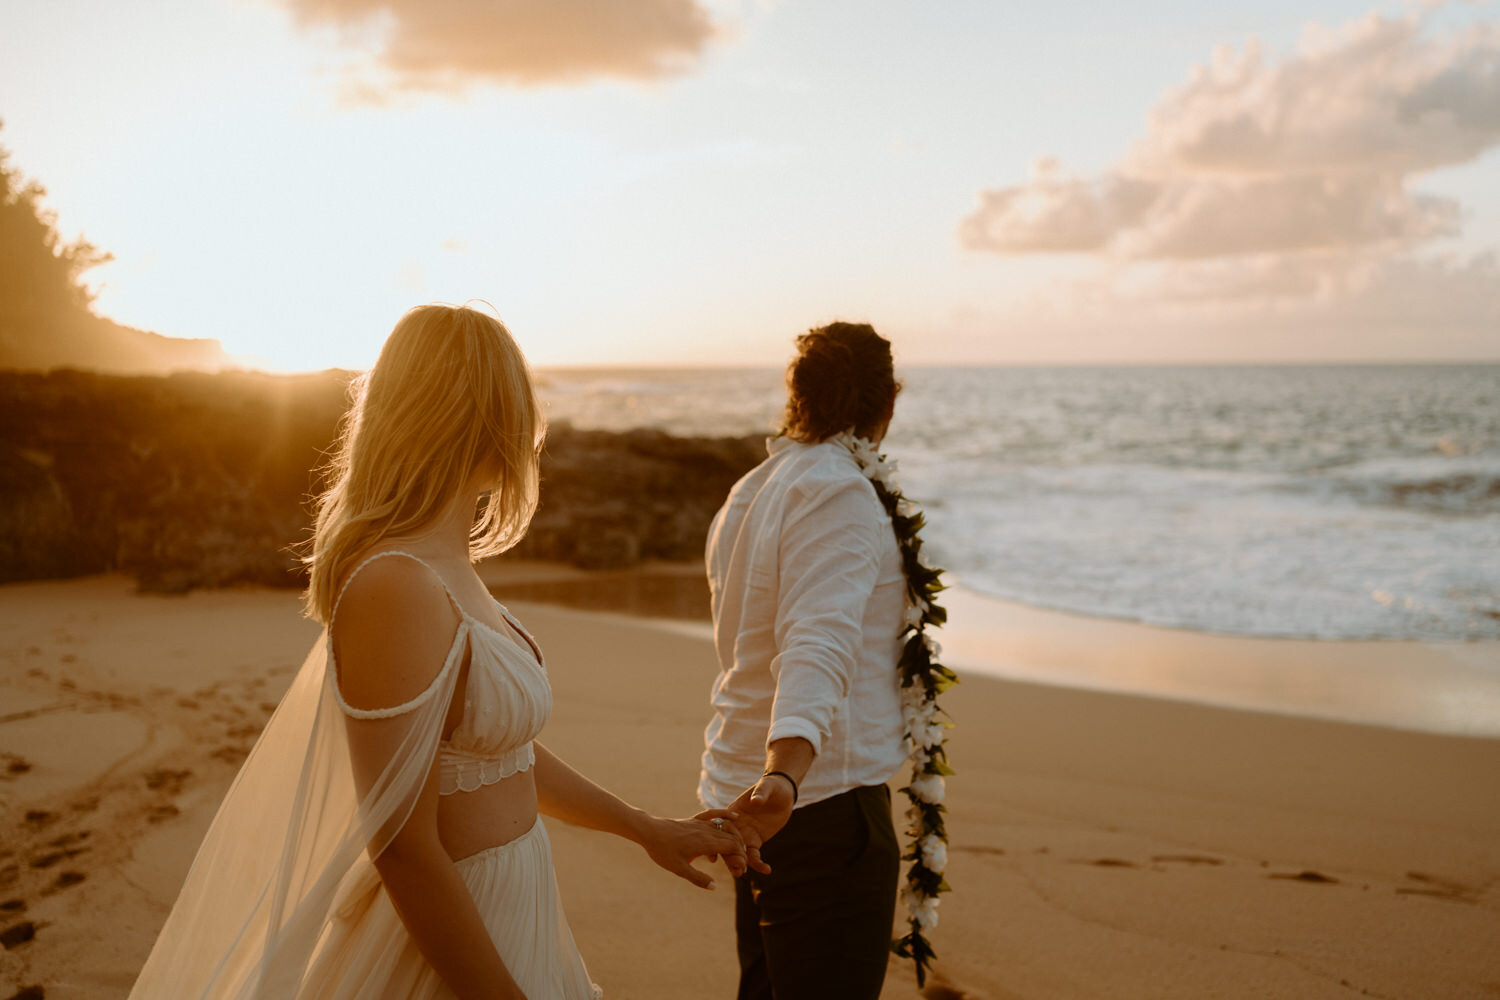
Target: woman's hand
(674,843)
(565,794)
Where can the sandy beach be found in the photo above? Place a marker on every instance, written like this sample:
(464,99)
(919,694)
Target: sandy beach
(1103,844)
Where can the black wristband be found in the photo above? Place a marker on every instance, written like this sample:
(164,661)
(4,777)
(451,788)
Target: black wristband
(788,777)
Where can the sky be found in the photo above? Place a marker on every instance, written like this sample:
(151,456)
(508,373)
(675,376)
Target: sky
(693,182)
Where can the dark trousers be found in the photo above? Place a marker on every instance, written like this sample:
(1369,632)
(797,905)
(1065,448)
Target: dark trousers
(820,924)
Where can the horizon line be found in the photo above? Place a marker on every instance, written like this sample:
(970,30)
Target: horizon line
(709,366)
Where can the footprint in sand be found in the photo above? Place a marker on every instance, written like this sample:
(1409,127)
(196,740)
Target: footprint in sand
(166,780)
(231,754)
(17,934)
(1438,887)
(69,839)
(64,880)
(1306,875)
(66,848)
(1156,859)
(998,852)
(160,814)
(53,857)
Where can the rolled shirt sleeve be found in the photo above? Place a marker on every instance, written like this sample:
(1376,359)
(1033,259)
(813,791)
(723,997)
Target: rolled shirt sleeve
(829,562)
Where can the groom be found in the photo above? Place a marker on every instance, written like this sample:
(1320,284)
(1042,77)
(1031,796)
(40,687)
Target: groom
(808,596)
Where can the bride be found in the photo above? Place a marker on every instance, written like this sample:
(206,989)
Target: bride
(382,839)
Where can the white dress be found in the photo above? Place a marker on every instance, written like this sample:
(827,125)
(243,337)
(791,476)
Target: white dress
(283,899)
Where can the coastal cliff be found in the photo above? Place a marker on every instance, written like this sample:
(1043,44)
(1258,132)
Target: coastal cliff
(204,480)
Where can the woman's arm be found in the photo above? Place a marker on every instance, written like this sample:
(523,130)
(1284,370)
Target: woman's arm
(394,630)
(565,794)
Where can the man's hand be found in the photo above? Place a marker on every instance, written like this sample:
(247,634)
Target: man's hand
(759,814)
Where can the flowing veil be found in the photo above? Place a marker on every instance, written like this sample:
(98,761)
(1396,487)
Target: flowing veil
(294,836)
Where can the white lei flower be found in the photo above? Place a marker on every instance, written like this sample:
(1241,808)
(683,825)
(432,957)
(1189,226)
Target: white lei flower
(929,788)
(924,913)
(922,677)
(876,467)
(934,853)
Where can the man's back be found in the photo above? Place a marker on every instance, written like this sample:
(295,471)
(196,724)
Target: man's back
(807,600)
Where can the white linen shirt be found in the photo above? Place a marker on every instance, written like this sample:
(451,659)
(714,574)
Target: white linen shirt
(808,599)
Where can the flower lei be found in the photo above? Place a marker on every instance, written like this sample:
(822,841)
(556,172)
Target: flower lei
(923,678)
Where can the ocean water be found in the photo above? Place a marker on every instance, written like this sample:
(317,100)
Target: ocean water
(1296,501)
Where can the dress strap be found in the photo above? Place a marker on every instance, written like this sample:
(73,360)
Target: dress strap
(426,694)
(381,555)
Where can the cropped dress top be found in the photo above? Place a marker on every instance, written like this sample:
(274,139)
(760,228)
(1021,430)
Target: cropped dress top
(507,697)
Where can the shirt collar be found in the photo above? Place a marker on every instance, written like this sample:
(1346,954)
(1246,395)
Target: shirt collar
(777,445)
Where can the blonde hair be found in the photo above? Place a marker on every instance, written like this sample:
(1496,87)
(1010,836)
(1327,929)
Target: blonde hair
(449,397)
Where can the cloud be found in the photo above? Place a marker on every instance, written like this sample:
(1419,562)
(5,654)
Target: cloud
(1274,179)
(450,45)
(1376,95)
(1194,216)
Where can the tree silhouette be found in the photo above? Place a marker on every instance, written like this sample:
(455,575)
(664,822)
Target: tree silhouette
(45,315)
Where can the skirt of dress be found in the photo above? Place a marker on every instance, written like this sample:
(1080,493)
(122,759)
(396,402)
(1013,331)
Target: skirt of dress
(366,953)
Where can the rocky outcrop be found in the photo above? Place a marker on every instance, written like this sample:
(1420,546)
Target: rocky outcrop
(183,480)
(610,500)
(201,480)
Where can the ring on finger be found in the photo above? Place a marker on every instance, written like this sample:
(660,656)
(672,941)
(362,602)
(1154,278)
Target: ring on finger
(718,824)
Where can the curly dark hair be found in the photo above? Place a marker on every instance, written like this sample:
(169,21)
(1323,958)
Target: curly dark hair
(841,379)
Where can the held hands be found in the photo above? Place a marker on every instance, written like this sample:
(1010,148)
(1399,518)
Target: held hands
(739,832)
(675,843)
(759,814)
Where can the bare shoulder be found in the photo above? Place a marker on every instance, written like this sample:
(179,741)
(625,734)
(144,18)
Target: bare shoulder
(392,632)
